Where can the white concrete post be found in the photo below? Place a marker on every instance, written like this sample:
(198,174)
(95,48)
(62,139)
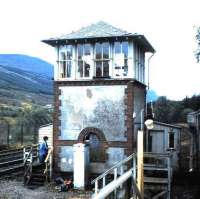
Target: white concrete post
(80,154)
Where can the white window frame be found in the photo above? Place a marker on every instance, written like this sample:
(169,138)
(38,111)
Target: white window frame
(102,59)
(127,59)
(92,62)
(63,49)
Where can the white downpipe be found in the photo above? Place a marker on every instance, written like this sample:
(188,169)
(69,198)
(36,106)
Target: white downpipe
(109,188)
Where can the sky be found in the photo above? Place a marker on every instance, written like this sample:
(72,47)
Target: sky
(169,25)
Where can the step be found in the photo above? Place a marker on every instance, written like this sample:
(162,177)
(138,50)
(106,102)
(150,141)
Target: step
(37,174)
(36,183)
(155,180)
(37,178)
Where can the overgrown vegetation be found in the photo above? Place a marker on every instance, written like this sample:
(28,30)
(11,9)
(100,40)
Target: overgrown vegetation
(170,111)
(20,124)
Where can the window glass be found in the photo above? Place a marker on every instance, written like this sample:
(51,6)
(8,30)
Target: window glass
(69,52)
(98,51)
(69,67)
(117,47)
(106,68)
(87,70)
(98,68)
(87,49)
(105,50)
(80,68)
(80,51)
(125,49)
(102,59)
(63,56)
(95,148)
(171,140)
(121,58)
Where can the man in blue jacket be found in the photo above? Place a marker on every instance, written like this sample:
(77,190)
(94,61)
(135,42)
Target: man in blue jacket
(43,151)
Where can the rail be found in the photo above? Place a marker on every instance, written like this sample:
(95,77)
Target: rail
(48,165)
(120,176)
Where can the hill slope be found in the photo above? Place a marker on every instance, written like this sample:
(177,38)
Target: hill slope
(27,63)
(25,79)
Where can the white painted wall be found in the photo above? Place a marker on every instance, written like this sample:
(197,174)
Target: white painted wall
(46,131)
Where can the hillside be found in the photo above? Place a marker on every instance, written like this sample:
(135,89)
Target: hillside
(27,63)
(25,79)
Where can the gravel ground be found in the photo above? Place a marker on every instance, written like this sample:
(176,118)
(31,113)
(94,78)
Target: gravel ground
(14,189)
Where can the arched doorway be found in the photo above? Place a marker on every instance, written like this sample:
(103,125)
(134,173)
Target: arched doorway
(96,141)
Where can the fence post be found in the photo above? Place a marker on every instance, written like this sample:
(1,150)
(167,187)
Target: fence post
(24,154)
(169,176)
(134,177)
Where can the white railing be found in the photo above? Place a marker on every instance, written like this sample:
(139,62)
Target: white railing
(125,169)
(159,162)
(48,165)
(121,174)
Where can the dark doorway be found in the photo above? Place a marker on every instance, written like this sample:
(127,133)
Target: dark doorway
(96,151)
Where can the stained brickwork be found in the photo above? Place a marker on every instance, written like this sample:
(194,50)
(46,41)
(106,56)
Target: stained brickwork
(129,101)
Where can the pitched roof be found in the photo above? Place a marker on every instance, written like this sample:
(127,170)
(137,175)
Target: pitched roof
(99,30)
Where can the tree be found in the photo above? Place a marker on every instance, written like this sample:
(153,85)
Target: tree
(197,53)
(7,116)
(32,117)
(40,116)
(170,111)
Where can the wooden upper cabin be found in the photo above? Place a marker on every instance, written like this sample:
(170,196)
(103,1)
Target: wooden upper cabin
(100,51)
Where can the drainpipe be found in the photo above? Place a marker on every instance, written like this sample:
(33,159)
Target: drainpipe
(148,74)
(198,140)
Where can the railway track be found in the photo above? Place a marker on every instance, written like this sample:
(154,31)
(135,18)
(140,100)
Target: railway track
(12,161)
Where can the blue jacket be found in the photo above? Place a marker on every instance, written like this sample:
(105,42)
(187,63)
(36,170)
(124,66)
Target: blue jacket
(43,151)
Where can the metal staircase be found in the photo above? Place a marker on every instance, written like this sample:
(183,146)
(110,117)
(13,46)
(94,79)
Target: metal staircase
(157,175)
(121,172)
(157,178)
(36,173)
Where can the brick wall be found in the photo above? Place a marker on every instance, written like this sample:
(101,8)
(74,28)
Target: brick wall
(128,145)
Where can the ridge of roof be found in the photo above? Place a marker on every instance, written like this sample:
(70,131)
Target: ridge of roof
(99,29)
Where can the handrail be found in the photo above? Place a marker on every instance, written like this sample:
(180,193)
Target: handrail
(27,156)
(105,189)
(28,168)
(48,155)
(119,163)
(103,193)
(118,180)
(48,163)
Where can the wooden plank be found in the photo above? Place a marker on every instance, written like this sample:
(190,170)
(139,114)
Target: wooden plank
(140,161)
(155,180)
